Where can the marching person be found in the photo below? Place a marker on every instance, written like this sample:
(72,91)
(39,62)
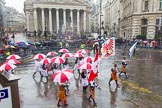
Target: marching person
(113,77)
(84,80)
(66,64)
(37,68)
(54,67)
(44,71)
(92,87)
(123,70)
(124,62)
(61,96)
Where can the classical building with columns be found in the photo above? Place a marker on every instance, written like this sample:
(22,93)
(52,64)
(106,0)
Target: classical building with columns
(58,15)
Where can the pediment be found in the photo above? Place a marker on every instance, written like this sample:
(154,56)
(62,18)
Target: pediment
(67,2)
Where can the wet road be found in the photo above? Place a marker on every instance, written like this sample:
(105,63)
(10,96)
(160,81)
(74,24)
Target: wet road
(143,69)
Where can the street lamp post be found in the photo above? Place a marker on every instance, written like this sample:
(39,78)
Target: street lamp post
(100,15)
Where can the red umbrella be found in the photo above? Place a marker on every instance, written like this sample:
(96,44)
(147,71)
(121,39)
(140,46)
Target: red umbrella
(62,76)
(88,59)
(7,67)
(52,53)
(63,50)
(45,61)
(78,55)
(39,56)
(67,55)
(82,51)
(85,66)
(13,56)
(57,60)
(12,61)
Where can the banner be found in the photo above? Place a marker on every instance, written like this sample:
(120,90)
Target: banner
(108,47)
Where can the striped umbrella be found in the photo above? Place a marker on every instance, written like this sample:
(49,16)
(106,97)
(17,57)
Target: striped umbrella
(83,51)
(39,56)
(85,66)
(13,56)
(62,76)
(88,59)
(78,55)
(58,60)
(63,50)
(67,55)
(12,61)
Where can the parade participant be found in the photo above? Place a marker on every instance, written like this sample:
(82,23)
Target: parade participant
(66,86)
(37,68)
(82,45)
(54,67)
(61,96)
(124,62)
(123,70)
(66,64)
(113,77)
(84,80)
(92,95)
(92,87)
(44,71)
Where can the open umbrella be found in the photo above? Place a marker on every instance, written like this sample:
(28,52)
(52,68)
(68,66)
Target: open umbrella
(83,51)
(7,67)
(88,59)
(85,66)
(13,56)
(9,46)
(62,76)
(52,53)
(78,55)
(39,56)
(12,61)
(58,60)
(22,44)
(63,50)
(45,61)
(67,55)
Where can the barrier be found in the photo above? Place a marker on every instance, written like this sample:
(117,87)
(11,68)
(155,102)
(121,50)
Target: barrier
(9,93)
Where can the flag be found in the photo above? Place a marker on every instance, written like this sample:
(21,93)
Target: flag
(94,72)
(132,48)
(108,47)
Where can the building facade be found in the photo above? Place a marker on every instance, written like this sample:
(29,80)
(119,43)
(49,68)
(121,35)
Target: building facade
(130,18)
(58,15)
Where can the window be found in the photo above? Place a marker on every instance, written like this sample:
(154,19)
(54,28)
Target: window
(158,31)
(144,21)
(144,27)
(146,5)
(160,4)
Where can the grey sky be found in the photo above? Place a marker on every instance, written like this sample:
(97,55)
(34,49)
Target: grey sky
(17,4)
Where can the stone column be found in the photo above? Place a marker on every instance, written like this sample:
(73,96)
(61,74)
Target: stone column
(50,20)
(35,20)
(27,18)
(43,24)
(57,19)
(71,15)
(78,22)
(64,18)
(84,21)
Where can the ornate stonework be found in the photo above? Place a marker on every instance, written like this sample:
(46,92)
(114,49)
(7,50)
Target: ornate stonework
(57,15)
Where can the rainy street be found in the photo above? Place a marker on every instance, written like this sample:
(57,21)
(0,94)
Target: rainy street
(141,90)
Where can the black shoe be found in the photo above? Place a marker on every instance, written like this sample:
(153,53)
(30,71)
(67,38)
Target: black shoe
(95,104)
(65,104)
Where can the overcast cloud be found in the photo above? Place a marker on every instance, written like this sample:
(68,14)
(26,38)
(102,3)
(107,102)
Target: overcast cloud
(17,4)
